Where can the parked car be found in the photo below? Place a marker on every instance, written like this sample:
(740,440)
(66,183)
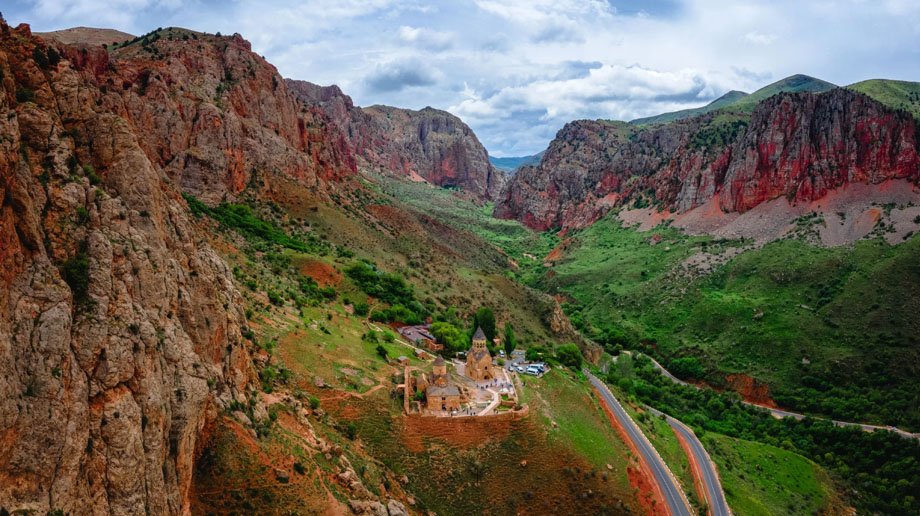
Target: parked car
(519,369)
(534,370)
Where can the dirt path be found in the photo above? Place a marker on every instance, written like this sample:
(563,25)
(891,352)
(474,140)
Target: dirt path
(354,395)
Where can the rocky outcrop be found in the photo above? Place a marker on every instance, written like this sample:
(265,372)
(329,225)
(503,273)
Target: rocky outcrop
(797,145)
(120,328)
(431,144)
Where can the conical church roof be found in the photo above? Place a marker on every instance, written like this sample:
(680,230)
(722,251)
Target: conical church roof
(439,361)
(479,335)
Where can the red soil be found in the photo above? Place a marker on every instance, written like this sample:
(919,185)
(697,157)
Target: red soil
(698,483)
(324,275)
(753,391)
(461,432)
(558,251)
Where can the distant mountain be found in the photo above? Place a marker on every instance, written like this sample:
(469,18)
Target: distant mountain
(790,84)
(904,95)
(86,35)
(510,164)
(427,144)
(729,98)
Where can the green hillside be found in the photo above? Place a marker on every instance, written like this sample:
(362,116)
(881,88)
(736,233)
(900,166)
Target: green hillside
(904,95)
(723,101)
(790,84)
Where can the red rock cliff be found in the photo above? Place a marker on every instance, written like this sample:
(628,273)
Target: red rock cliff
(120,328)
(432,143)
(799,145)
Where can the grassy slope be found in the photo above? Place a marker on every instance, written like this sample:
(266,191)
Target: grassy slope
(792,84)
(897,94)
(760,479)
(859,297)
(449,266)
(725,100)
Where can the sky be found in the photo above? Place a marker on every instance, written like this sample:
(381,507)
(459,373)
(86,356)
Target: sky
(516,71)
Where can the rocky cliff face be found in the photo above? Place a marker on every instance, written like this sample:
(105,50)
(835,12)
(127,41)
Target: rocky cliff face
(429,143)
(120,328)
(798,145)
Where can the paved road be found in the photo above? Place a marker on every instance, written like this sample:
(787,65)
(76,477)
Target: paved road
(715,496)
(785,413)
(673,494)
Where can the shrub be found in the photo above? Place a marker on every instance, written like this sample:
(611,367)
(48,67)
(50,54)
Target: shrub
(382,351)
(75,272)
(535,353)
(91,174)
(388,336)
(82,216)
(569,355)
(275,298)
(24,95)
(314,402)
(361,308)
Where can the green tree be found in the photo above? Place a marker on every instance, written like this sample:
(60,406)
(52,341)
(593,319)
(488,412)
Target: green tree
(485,319)
(448,335)
(382,351)
(510,343)
(535,353)
(569,355)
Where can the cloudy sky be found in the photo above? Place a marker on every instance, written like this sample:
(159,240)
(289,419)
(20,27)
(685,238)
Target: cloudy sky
(517,70)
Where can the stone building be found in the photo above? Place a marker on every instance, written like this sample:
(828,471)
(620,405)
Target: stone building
(439,392)
(479,360)
(444,398)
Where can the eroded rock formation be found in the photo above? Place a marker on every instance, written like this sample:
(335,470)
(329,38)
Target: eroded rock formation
(432,144)
(120,328)
(798,145)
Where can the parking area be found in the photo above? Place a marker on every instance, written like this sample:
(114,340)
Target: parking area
(519,364)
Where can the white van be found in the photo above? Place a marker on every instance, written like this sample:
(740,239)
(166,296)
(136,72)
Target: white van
(534,370)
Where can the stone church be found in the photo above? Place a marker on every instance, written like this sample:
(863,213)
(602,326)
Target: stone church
(479,360)
(439,391)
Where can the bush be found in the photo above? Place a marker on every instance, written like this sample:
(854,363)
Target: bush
(314,402)
(382,351)
(82,216)
(91,174)
(535,353)
(24,95)
(570,356)
(449,336)
(75,272)
(388,336)
(275,298)
(361,308)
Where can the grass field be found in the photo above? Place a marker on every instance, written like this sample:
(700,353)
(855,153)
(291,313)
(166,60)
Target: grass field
(844,309)
(903,95)
(760,479)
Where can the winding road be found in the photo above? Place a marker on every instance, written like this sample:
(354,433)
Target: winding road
(715,496)
(779,413)
(673,494)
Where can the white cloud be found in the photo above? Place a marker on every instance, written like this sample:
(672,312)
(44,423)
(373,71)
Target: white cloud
(760,38)
(516,70)
(426,39)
